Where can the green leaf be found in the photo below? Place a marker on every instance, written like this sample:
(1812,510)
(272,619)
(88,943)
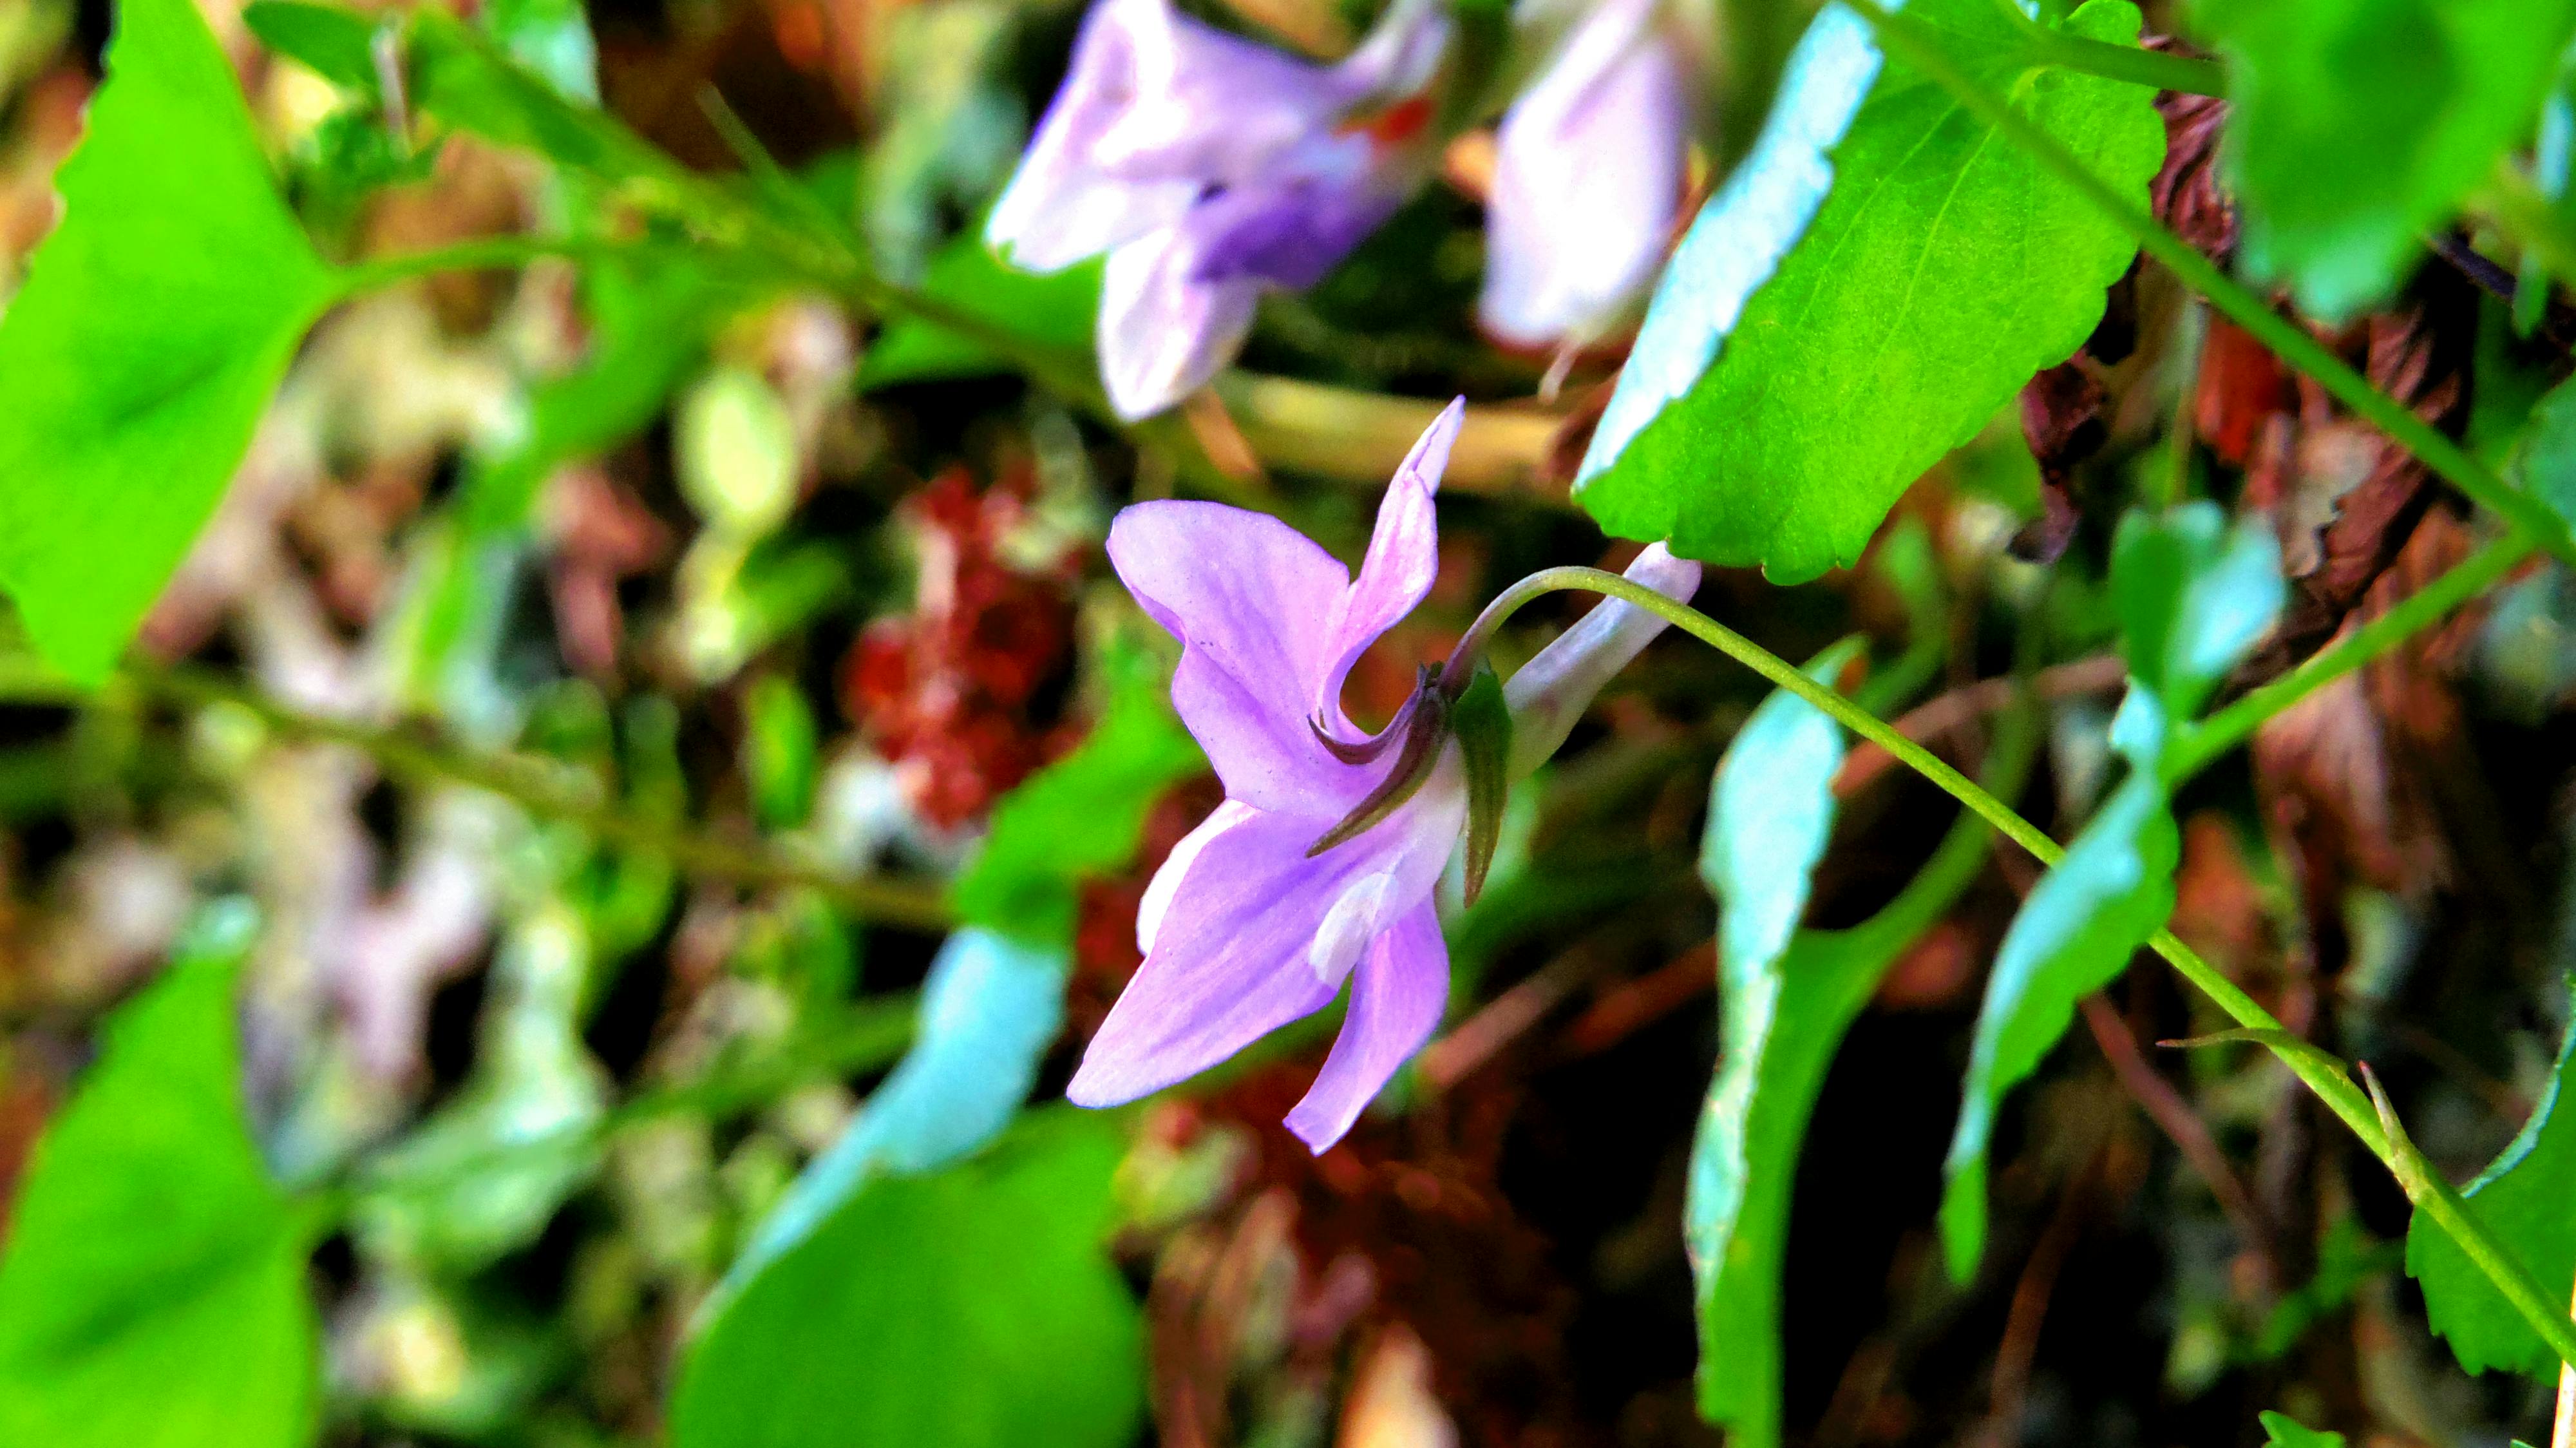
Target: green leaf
(778,751)
(1784,1017)
(1770,812)
(969,1308)
(2282,1431)
(155,322)
(1944,268)
(2359,125)
(335,44)
(1053,313)
(1080,817)
(2074,935)
(552,39)
(2523,1198)
(2192,595)
(152,1295)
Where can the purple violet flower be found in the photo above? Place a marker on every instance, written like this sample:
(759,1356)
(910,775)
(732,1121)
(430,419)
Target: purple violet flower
(1243,930)
(1588,178)
(1210,169)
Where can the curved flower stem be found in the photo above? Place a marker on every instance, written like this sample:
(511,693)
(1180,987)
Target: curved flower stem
(2287,340)
(2322,1073)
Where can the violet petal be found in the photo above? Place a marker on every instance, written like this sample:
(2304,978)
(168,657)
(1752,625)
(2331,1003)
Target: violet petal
(1397,995)
(1257,935)
(1402,561)
(1251,600)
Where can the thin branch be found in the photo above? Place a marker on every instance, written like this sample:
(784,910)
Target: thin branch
(538,787)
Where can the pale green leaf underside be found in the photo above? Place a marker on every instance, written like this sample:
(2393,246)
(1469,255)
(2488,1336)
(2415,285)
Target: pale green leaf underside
(2073,936)
(154,324)
(1944,269)
(1784,1023)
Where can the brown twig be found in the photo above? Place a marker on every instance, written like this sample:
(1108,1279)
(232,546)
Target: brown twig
(2182,1125)
(2020,1345)
(1640,1002)
(1452,1058)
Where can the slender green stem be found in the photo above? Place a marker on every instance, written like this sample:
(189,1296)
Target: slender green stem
(2155,69)
(2320,1072)
(541,789)
(2230,726)
(2290,342)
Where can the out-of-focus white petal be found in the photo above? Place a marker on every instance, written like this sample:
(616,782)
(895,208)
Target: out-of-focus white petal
(1552,690)
(1588,176)
(1162,332)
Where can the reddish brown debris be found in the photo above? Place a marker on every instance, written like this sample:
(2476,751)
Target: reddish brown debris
(949,693)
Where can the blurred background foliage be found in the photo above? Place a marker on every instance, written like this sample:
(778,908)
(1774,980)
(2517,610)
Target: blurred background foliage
(663,1081)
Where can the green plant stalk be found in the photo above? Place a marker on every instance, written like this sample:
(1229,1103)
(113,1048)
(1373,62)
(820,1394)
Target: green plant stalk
(2321,1073)
(526,783)
(2154,69)
(2287,340)
(2230,726)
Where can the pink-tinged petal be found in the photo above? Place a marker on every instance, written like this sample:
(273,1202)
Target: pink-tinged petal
(1402,560)
(1396,998)
(1163,331)
(1588,178)
(1062,206)
(1258,935)
(1167,880)
(1551,691)
(1251,600)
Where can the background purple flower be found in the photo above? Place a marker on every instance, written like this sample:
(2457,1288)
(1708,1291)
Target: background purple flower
(1588,178)
(1210,168)
(1242,931)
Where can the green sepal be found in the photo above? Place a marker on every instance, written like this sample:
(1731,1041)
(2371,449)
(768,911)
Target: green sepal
(1483,723)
